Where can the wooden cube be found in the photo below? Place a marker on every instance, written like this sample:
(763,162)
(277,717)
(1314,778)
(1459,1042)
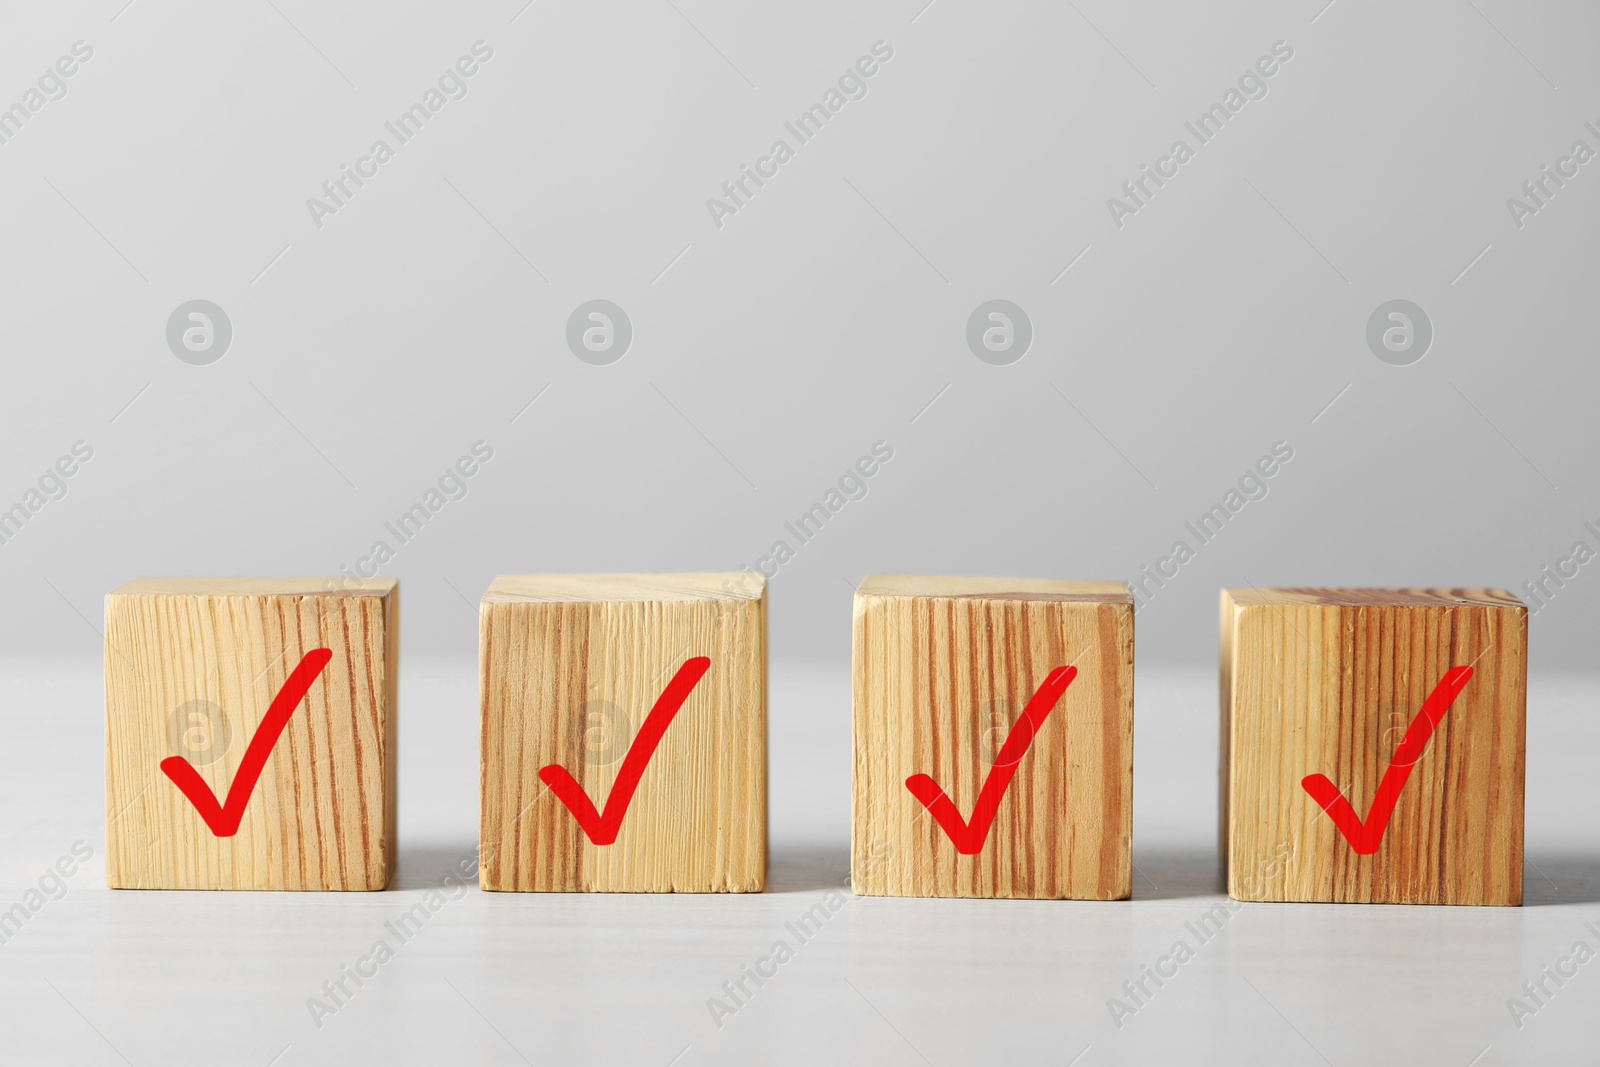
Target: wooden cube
(592,685)
(958,683)
(1372,744)
(200,674)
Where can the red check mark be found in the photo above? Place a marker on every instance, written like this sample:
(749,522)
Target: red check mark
(602,827)
(224,819)
(1364,837)
(970,836)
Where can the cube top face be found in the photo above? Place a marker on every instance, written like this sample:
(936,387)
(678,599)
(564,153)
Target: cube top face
(192,667)
(570,670)
(941,679)
(223,587)
(625,588)
(992,588)
(1374,598)
(1330,683)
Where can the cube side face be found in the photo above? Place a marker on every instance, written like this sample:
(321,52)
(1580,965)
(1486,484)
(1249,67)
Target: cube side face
(1332,690)
(391,733)
(570,684)
(1225,679)
(938,683)
(193,675)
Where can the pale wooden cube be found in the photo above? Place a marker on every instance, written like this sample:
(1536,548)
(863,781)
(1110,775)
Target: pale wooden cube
(943,669)
(1329,682)
(192,666)
(570,668)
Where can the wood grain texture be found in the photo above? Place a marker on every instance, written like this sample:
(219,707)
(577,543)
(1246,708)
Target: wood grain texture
(191,666)
(942,668)
(1328,681)
(569,666)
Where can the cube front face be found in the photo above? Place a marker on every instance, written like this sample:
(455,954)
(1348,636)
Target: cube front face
(570,666)
(192,667)
(942,670)
(1328,682)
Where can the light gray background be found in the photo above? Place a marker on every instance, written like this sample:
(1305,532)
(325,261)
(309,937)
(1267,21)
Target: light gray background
(823,317)
(1168,355)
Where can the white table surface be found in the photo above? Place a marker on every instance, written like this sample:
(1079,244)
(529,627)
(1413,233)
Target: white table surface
(102,977)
